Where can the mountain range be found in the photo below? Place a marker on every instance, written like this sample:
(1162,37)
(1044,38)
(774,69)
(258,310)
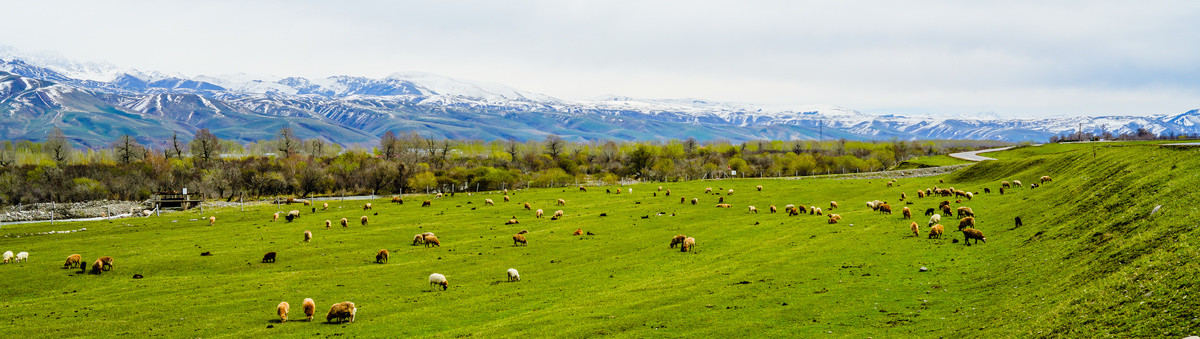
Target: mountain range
(95,103)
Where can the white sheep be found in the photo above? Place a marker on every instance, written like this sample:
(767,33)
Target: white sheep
(23,256)
(438,279)
(936,218)
(513,275)
(8,256)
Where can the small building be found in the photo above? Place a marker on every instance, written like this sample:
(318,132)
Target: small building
(176,200)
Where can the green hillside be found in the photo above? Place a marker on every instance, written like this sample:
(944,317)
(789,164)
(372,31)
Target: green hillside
(1089,261)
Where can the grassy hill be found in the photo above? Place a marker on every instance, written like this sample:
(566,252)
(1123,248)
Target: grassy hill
(1089,261)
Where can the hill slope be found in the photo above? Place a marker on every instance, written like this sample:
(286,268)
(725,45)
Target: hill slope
(1089,260)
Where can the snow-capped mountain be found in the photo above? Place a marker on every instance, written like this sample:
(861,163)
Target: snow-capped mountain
(95,103)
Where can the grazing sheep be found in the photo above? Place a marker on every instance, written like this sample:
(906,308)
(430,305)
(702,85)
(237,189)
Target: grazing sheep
(73,261)
(631,190)
(505,191)
(915,228)
(582,189)
(708,190)
(972,233)
(815,210)
(1046,178)
(695,200)
(668,192)
(578,231)
(512,222)
(398,200)
(660,188)
(987,190)
(341,311)
(418,239)
(382,256)
(920,194)
(1017,222)
(8,256)
(1002,191)
(935,232)
(832,205)
(276,217)
(730,192)
(526,231)
(677,240)
(724,205)
(558,214)
(488,202)
(969,195)
(212,220)
(618,191)
(562,202)
(1005,184)
(964,211)
(946,210)
(773,209)
(363,220)
(759,187)
(107,263)
(439,195)
(325,206)
(539,213)
(928,192)
(310,308)
(936,218)
(513,275)
(907,213)
(283,311)
(427,203)
(721,200)
(292,215)
(97,267)
(885,208)
(929,211)
(903,196)
(366,206)
(307,236)
(968,222)
(834,218)
(23,257)
(1016,183)
(432,241)
(519,239)
(269,257)
(688,244)
(889,184)
(438,279)
(345,222)
(506,199)
(753,209)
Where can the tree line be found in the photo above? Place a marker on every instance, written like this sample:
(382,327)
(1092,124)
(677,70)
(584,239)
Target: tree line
(55,171)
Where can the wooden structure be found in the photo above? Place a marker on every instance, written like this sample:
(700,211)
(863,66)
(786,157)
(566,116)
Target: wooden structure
(178,200)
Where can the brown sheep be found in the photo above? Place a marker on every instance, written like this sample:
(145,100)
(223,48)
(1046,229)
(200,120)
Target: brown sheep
(1002,191)
(366,206)
(212,220)
(928,192)
(668,192)
(341,312)
(688,244)
(505,191)
(582,189)
(677,240)
(816,210)
(107,261)
(307,236)
(519,239)
(558,214)
(562,202)
(418,239)
(833,218)
(972,233)
(363,220)
(964,211)
(328,224)
(915,228)
(660,188)
(275,217)
(1005,184)
(946,210)
(920,194)
(539,213)
(759,187)
(97,267)
(345,222)
(903,196)
(907,213)
(73,261)
(578,231)
(968,222)
(310,308)
(773,209)
(885,208)
(720,200)
(832,205)
(935,232)
(889,184)
(382,256)
(987,190)
(427,203)
(398,200)
(527,207)
(1016,183)
(512,222)
(488,202)
(523,232)
(695,200)
(708,190)
(724,205)
(269,257)
(753,209)
(506,199)
(1046,178)
(325,206)
(432,241)
(283,311)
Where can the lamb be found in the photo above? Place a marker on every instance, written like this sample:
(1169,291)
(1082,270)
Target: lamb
(269,257)
(97,267)
(8,256)
(946,210)
(759,188)
(432,241)
(427,203)
(721,200)
(366,206)
(695,200)
(724,205)
(438,279)
(773,209)
(341,311)
(212,220)
(1017,222)
(382,256)
(968,222)
(631,190)
(915,228)
(578,231)
(325,206)
(527,207)
(328,223)
(512,222)
(885,208)
(539,213)
(398,200)
(903,196)
(307,236)
(22,257)
(753,209)
(935,232)
(708,190)
(310,307)
(345,223)
(837,217)
(920,194)
(668,192)
(832,205)
(418,239)
(815,210)
(558,214)
(292,215)
(730,192)
(519,239)
(972,233)
(363,220)
(283,311)
(936,218)
(276,217)
(907,213)
(582,189)
(73,261)
(688,244)
(562,202)
(1046,178)
(677,240)
(929,211)
(833,220)
(488,202)
(506,199)
(513,275)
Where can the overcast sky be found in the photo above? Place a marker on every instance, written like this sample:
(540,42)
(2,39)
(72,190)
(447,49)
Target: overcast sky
(1012,58)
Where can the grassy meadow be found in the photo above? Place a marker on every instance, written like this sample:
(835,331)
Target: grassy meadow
(1090,261)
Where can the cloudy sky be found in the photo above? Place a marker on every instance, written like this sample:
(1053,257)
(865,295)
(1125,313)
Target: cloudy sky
(1009,58)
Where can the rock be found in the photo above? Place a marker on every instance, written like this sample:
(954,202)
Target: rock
(924,269)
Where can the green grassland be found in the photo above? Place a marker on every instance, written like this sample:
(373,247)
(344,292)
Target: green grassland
(930,161)
(1090,261)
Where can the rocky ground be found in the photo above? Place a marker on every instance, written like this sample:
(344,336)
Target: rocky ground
(77,210)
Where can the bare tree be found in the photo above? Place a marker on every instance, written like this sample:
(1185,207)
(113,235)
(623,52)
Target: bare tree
(689,145)
(388,144)
(287,142)
(128,150)
(175,145)
(554,145)
(205,146)
(317,147)
(58,147)
(512,147)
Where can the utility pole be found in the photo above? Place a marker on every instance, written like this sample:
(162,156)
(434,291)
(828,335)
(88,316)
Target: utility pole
(1080,138)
